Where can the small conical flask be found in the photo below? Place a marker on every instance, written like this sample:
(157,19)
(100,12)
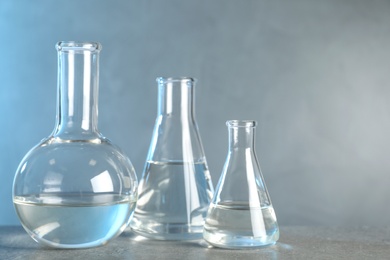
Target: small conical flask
(241,213)
(175,189)
(75,189)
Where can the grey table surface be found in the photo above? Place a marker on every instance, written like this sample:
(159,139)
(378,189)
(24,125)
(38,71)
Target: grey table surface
(295,243)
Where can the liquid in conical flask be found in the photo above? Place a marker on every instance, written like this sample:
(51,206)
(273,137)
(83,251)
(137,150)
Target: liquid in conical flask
(175,189)
(241,214)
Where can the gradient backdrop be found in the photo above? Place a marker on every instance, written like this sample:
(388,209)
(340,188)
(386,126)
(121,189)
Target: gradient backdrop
(314,74)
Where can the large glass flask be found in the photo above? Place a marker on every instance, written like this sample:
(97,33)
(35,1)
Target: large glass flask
(241,213)
(75,189)
(175,189)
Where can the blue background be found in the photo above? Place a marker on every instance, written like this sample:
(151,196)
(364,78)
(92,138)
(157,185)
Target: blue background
(314,74)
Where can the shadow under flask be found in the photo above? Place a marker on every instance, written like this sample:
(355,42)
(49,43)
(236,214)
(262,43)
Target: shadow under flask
(241,214)
(175,189)
(75,189)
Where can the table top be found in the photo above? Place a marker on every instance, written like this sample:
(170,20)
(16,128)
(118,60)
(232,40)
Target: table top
(294,243)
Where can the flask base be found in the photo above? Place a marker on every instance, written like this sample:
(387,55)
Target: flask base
(167,231)
(236,225)
(231,241)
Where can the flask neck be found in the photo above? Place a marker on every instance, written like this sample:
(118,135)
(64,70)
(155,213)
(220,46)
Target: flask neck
(77,104)
(176,98)
(241,135)
(175,136)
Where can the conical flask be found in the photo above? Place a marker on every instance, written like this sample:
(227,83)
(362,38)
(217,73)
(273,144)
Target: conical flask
(241,213)
(75,189)
(175,189)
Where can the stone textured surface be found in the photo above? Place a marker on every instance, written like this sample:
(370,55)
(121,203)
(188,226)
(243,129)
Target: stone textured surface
(295,243)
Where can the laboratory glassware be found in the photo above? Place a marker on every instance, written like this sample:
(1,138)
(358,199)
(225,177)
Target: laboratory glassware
(75,189)
(241,214)
(176,188)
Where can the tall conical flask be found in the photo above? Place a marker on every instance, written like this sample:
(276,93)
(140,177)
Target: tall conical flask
(241,214)
(75,189)
(175,189)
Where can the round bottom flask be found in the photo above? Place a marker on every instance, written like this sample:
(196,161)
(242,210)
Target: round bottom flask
(75,189)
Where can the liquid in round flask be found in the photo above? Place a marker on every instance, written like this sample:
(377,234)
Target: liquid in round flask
(241,214)
(75,189)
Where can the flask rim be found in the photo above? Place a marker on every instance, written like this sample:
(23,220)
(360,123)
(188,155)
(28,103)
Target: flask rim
(74,46)
(164,80)
(241,123)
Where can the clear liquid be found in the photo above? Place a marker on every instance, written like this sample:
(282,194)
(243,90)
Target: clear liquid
(173,199)
(236,225)
(74,221)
